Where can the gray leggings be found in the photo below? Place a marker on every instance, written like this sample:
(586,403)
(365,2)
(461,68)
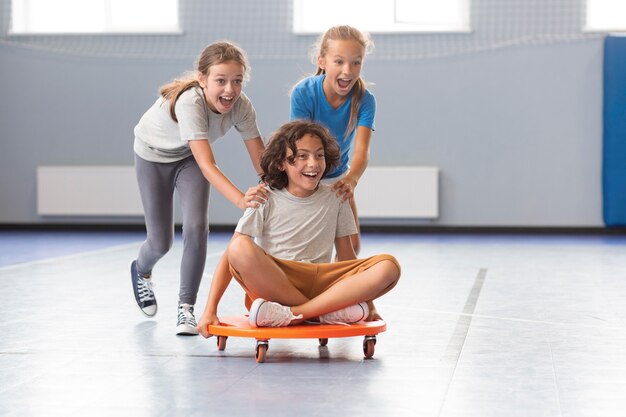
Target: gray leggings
(157,182)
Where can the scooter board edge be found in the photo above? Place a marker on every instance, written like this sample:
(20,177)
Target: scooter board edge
(239,326)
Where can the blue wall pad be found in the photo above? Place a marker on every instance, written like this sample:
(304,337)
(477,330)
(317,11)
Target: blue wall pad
(614,148)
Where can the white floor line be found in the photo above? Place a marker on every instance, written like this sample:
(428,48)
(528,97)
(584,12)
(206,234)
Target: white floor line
(82,254)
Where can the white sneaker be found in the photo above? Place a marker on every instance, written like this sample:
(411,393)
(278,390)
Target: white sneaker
(346,315)
(186,321)
(265,313)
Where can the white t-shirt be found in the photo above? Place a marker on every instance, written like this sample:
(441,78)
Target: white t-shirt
(158,138)
(299,229)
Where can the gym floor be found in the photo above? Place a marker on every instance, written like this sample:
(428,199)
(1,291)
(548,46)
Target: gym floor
(479,325)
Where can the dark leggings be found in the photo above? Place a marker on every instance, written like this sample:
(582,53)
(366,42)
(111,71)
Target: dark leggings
(157,182)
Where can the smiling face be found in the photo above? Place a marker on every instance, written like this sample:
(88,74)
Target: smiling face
(306,171)
(222,86)
(342,64)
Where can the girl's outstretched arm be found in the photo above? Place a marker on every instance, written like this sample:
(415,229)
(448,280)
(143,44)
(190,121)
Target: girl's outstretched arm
(358,164)
(255,148)
(203,154)
(219,284)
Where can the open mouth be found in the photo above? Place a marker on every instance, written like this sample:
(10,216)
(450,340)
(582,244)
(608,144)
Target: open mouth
(311,175)
(226,101)
(343,83)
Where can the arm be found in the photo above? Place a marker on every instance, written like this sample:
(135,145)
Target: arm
(255,148)
(203,154)
(343,246)
(219,284)
(358,164)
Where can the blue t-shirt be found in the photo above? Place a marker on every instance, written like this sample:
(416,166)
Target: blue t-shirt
(308,101)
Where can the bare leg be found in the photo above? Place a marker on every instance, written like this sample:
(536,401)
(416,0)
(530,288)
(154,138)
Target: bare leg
(260,274)
(357,288)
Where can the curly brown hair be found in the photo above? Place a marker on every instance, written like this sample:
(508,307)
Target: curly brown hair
(285,138)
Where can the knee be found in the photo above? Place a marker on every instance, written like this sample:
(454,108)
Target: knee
(161,246)
(391,269)
(240,244)
(196,231)
(241,251)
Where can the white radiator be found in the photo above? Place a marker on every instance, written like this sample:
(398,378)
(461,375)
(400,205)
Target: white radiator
(398,192)
(383,192)
(87,191)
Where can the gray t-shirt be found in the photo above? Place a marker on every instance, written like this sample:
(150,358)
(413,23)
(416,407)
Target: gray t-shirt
(158,138)
(299,229)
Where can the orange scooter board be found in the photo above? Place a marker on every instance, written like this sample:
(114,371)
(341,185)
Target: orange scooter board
(239,326)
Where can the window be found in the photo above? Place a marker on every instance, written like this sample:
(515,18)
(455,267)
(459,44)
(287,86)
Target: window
(93,16)
(382,16)
(606,15)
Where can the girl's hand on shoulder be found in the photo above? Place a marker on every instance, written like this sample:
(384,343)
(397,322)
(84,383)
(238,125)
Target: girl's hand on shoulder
(205,321)
(344,187)
(254,197)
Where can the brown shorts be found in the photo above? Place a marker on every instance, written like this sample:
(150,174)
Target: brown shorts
(313,279)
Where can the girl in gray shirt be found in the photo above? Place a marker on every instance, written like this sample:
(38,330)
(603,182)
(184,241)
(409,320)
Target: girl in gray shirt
(173,152)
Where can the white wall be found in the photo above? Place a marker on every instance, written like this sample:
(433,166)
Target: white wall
(516,132)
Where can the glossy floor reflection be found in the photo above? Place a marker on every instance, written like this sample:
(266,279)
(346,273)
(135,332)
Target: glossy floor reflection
(478,326)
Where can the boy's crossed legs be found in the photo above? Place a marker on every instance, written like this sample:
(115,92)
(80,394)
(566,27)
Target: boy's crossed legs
(310,289)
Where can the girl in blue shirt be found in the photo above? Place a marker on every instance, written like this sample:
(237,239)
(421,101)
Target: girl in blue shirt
(336,96)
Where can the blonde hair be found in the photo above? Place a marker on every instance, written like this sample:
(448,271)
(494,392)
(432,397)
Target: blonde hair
(320,49)
(214,54)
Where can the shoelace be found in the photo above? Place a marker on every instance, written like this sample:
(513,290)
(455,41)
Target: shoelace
(185,316)
(144,288)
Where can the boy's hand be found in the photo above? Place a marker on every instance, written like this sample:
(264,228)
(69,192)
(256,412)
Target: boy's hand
(205,321)
(345,187)
(254,197)
(373,316)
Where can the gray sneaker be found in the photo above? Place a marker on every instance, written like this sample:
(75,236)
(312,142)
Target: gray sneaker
(142,288)
(186,324)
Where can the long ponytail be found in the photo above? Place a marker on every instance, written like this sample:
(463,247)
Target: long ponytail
(171,91)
